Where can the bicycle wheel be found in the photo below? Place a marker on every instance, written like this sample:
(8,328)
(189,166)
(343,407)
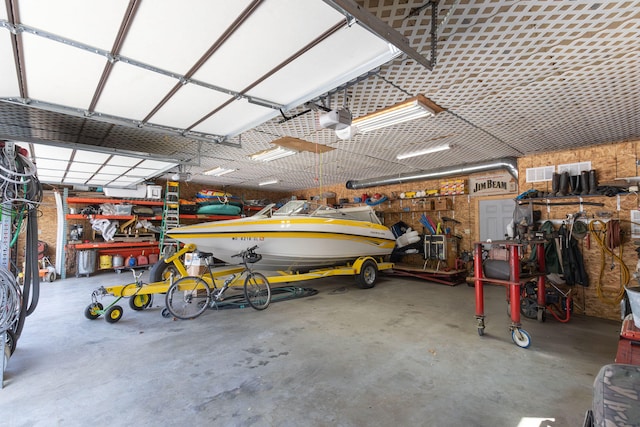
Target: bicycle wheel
(188,297)
(257,291)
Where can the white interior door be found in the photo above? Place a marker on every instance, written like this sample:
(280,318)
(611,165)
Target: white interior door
(494,216)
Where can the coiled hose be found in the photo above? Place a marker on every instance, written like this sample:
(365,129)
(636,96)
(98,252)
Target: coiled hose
(20,196)
(10,300)
(607,235)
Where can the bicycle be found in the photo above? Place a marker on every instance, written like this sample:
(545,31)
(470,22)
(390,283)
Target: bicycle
(188,297)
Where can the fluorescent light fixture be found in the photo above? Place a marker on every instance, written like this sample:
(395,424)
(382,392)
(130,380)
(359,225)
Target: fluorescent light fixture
(423,152)
(410,109)
(218,171)
(272,154)
(273,181)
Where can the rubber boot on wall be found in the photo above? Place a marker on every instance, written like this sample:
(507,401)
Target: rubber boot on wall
(555,183)
(593,182)
(574,185)
(563,186)
(584,182)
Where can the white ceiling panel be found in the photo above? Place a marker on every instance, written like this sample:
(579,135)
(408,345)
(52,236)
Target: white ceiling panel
(189,104)
(61,74)
(132,92)
(155,164)
(88,156)
(98,181)
(116,170)
(48,171)
(286,24)
(51,164)
(347,54)
(123,161)
(83,167)
(51,152)
(79,175)
(9,81)
(173,35)
(240,115)
(92,22)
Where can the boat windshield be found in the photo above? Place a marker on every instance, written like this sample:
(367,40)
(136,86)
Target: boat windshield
(266,211)
(304,207)
(294,207)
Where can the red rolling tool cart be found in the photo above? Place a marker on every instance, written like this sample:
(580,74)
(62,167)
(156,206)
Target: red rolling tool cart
(629,344)
(519,336)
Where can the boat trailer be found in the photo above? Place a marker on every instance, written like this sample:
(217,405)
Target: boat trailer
(365,270)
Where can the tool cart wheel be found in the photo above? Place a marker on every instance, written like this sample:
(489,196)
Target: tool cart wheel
(93,310)
(521,337)
(481,331)
(140,302)
(113,314)
(368,275)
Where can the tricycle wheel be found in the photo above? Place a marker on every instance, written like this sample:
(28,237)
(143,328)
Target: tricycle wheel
(113,314)
(140,301)
(368,275)
(93,310)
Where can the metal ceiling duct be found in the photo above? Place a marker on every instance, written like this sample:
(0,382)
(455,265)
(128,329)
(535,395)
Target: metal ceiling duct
(508,163)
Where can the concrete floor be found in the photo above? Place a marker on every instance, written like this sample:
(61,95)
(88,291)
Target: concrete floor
(405,353)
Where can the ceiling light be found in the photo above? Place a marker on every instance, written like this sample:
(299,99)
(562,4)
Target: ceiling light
(272,154)
(273,181)
(218,171)
(410,109)
(423,152)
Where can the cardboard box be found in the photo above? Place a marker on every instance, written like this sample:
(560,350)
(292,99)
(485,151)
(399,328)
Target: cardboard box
(195,265)
(442,204)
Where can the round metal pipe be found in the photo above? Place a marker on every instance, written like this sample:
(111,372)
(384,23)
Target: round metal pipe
(508,163)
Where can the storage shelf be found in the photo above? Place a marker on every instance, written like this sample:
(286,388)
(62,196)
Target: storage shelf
(151,218)
(114,245)
(125,217)
(99,200)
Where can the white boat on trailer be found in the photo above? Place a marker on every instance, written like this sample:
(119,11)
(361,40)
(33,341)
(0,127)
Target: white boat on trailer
(298,237)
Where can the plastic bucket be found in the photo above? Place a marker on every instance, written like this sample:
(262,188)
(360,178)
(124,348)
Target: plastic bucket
(634,302)
(106,261)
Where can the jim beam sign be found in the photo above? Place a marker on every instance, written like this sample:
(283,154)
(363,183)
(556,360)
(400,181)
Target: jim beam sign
(492,184)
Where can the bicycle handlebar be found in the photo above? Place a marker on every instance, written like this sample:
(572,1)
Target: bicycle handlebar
(245,252)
